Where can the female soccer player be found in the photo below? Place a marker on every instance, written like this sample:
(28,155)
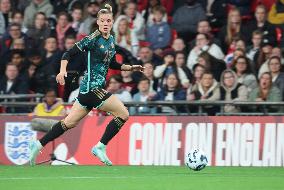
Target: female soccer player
(101,56)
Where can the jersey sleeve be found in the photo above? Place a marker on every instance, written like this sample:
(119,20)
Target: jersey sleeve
(85,43)
(70,53)
(114,65)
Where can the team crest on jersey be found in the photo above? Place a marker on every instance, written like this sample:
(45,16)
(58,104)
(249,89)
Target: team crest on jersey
(102,46)
(17,137)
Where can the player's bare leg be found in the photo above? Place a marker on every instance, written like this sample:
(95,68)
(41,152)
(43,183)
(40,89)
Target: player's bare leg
(76,114)
(114,106)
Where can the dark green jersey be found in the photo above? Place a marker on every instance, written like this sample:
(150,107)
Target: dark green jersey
(100,53)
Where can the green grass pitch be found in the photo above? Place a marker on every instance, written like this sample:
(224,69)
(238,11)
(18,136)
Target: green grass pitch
(139,177)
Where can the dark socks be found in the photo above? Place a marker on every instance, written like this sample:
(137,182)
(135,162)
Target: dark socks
(57,129)
(112,129)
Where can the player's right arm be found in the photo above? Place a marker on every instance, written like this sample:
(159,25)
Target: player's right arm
(77,48)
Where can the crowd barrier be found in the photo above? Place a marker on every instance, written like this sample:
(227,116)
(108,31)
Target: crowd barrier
(156,140)
(175,105)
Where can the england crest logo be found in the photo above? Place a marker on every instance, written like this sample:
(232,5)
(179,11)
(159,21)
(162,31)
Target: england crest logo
(17,137)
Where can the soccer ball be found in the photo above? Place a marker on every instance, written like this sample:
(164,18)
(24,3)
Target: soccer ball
(196,160)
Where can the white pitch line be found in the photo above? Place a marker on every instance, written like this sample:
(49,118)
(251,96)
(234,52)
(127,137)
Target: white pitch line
(65,177)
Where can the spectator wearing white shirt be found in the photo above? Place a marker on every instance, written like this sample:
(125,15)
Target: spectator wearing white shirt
(203,44)
(135,19)
(125,37)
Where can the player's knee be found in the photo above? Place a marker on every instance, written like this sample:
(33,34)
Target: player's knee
(124,114)
(70,124)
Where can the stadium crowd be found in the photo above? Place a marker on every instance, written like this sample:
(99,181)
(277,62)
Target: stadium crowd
(203,50)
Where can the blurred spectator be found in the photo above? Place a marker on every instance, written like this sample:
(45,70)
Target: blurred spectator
(185,19)
(180,62)
(2,25)
(125,37)
(237,44)
(11,83)
(92,8)
(66,5)
(162,71)
(237,53)
(121,5)
(242,5)
(52,55)
(50,106)
(276,13)
(171,91)
(5,15)
(203,44)
(277,76)
(77,16)
(18,58)
(215,66)
(265,91)
(142,96)
(145,54)
(260,23)
(18,18)
(18,44)
(159,33)
(197,70)
(215,12)
(34,7)
(63,29)
(114,87)
(135,19)
(256,42)
(7,42)
(42,76)
(148,12)
(179,45)
(13,40)
(233,27)
(244,72)
(276,51)
(207,90)
(149,73)
(231,90)
(39,31)
(128,83)
(203,27)
(22,4)
(263,55)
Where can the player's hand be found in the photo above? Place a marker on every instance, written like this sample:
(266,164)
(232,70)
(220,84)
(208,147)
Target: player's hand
(60,77)
(137,68)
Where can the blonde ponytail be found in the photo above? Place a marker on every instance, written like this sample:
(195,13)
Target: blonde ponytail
(106,10)
(108,7)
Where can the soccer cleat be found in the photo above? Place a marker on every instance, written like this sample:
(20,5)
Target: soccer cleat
(35,148)
(100,151)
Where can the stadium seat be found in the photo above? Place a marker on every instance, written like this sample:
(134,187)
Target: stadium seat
(278,34)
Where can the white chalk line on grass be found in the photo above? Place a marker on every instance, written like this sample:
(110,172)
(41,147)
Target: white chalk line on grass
(67,177)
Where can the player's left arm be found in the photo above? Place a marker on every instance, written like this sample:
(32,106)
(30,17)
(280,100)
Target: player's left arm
(123,67)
